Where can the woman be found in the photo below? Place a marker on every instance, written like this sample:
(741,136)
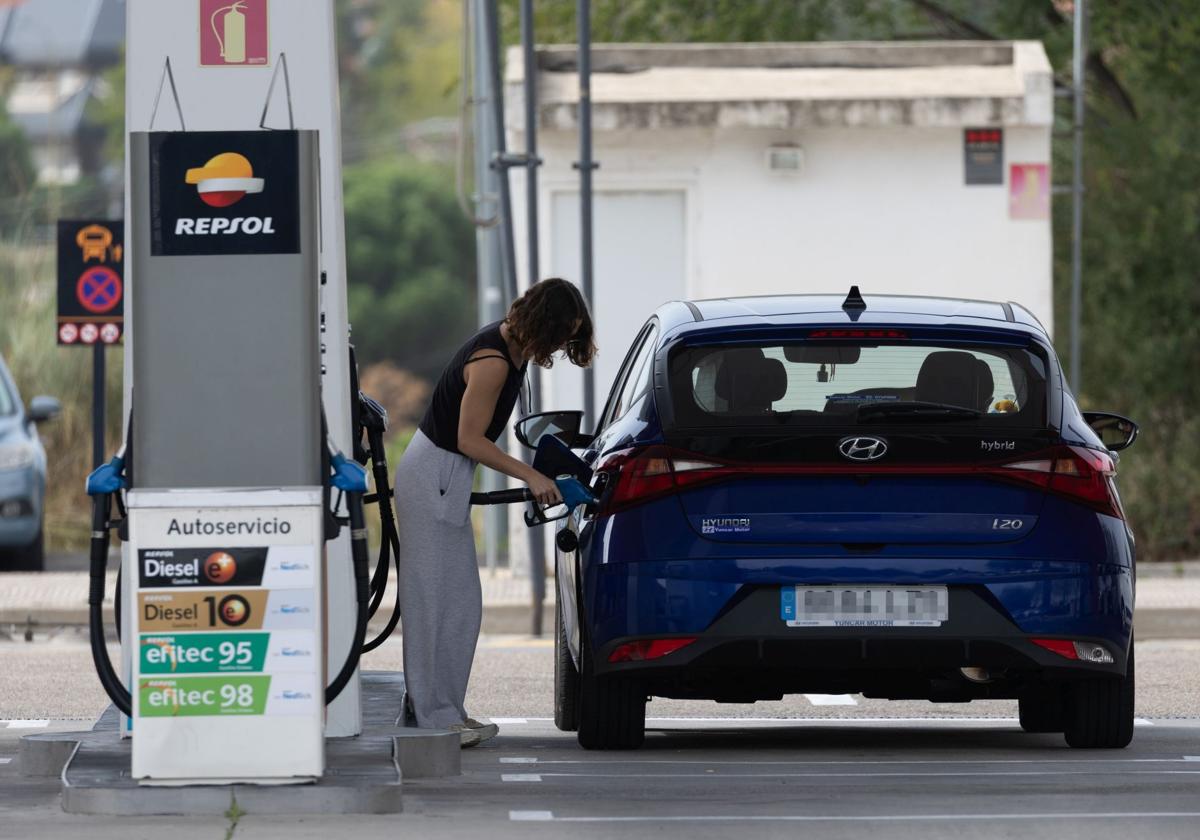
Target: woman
(440,596)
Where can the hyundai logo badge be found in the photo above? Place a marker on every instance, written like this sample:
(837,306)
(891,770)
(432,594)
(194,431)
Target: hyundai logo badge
(862,447)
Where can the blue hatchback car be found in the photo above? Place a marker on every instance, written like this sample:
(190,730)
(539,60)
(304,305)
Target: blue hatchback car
(22,476)
(896,496)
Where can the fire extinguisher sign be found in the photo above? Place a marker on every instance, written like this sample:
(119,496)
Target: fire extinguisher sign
(233,33)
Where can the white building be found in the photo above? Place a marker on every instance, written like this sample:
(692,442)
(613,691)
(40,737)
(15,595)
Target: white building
(743,169)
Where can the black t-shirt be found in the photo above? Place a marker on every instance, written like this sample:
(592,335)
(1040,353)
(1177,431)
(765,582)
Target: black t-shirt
(440,423)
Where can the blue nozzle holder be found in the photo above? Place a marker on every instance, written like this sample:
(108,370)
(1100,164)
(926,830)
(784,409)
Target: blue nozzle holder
(348,476)
(108,478)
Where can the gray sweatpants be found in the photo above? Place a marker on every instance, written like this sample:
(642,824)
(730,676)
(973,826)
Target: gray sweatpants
(441,600)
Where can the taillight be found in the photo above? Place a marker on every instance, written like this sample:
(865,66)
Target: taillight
(1080,474)
(642,475)
(645,649)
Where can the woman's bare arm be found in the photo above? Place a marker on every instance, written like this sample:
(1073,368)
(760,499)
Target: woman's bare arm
(485,379)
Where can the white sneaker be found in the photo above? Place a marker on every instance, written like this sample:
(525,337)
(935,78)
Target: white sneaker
(486,730)
(468,737)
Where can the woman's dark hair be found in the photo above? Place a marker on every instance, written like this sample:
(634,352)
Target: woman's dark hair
(551,316)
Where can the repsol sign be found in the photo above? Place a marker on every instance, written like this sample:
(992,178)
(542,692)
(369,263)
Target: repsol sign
(224,192)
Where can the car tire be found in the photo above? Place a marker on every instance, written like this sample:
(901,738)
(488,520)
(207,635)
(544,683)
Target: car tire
(566,678)
(1100,711)
(30,558)
(1041,710)
(612,709)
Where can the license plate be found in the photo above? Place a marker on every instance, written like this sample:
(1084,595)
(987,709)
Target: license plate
(864,606)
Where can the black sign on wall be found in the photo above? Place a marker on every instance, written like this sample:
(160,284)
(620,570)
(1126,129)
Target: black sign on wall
(983,155)
(91,282)
(224,192)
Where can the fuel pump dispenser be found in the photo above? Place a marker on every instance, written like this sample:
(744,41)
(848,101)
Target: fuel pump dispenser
(228,487)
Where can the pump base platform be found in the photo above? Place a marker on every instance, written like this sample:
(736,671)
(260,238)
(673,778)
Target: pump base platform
(363,775)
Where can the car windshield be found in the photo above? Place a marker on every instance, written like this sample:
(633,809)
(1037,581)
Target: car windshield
(847,383)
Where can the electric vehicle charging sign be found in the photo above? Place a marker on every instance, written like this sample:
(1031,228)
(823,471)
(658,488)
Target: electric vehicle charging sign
(91,286)
(224,193)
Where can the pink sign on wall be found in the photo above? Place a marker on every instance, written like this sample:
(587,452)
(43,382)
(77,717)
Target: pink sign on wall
(1029,191)
(233,33)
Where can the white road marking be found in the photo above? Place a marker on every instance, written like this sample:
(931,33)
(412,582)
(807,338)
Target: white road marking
(875,774)
(524,777)
(531,816)
(856,762)
(517,759)
(1141,722)
(548,816)
(514,721)
(28,724)
(831,699)
(5,760)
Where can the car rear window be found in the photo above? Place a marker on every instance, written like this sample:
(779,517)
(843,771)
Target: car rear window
(811,383)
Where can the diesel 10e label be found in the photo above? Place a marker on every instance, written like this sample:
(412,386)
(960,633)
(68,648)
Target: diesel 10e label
(247,609)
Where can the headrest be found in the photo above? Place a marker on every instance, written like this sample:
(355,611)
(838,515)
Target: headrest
(749,381)
(987,385)
(954,377)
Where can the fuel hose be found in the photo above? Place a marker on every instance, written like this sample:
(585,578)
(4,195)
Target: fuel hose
(101,510)
(360,558)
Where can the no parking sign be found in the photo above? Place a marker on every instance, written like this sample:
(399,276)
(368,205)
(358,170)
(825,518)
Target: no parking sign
(91,284)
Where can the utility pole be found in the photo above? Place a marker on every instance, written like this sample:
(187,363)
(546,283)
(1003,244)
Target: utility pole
(488,255)
(1078,71)
(586,166)
(537,557)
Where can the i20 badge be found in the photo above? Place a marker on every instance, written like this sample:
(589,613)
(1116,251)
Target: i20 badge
(863,447)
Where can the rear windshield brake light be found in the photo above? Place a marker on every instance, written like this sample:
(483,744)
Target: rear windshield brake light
(858,333)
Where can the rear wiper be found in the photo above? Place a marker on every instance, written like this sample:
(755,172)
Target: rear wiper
(917,411)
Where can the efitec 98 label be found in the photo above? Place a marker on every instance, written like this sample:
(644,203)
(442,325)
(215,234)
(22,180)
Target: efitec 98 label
(202,696)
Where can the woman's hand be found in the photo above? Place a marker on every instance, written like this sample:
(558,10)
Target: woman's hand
(544,490)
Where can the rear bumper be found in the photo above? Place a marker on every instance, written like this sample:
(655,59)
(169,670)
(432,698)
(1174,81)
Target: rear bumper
(739,630)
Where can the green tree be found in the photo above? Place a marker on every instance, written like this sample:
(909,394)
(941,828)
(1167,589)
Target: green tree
(411,264)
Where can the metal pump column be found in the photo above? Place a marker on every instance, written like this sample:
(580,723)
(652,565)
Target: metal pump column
(217,93)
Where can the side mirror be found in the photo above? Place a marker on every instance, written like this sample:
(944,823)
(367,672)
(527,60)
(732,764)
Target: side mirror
(42,409)
(563,425)
(1115,432)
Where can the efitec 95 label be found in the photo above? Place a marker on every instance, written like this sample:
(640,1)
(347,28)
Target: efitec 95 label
(202,653)
(202,696)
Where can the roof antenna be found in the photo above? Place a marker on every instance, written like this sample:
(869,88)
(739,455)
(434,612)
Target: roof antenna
(854,303)
(854,300)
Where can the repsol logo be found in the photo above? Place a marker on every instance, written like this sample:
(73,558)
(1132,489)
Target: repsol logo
(216,225)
